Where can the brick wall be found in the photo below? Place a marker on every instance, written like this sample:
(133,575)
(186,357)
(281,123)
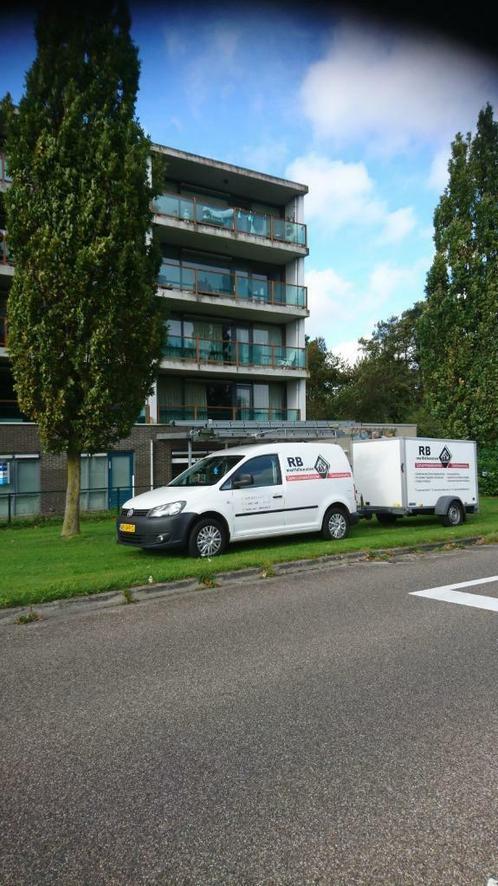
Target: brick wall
(23,438)
(17,438)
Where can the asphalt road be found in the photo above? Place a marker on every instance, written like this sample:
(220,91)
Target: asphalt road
(319,728)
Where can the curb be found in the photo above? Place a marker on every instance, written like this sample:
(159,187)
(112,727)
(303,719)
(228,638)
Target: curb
(142,593)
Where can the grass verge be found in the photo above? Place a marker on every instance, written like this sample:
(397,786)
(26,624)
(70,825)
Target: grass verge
(39,566)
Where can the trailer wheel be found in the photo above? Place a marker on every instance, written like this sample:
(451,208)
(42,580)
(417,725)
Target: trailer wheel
(454,515)
(385,518)
(336,523)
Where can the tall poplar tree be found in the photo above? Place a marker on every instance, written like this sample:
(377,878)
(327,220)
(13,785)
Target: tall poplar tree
(458,329)
(85,325)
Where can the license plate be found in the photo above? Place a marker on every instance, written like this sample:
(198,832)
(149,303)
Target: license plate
(127,527)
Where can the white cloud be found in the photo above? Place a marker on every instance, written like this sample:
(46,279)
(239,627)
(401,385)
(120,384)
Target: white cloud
(177,123)
(343,194)
(385,279)
(348,350)
(398,225)
(339,193)
(336,303)
(394,87)
(438,176)
(212,67)
(426,233)
(329,297)
(268,156)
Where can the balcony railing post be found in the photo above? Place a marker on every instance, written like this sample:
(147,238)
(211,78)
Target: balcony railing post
(198,349)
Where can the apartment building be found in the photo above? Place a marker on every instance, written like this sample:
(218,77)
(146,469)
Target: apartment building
(233,243)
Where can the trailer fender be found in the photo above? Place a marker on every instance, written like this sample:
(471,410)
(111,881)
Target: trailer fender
(443,503)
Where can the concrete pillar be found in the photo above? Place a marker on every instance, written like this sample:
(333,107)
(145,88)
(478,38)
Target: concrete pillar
(152,405)
(294,334)
(296,396)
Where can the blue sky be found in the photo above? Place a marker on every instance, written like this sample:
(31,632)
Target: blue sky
(363,114)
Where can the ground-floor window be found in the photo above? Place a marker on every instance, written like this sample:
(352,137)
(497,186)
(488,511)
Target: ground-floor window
(107,480)
(19,485)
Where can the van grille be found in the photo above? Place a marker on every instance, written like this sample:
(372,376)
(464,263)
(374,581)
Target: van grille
(137,512)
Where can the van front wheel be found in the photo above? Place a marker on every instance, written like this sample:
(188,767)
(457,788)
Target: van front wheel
(208,538)
(336,523)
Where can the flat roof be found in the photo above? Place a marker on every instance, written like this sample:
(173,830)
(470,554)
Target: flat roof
(219,176)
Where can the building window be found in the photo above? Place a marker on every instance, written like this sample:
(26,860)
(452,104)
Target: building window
(19,485)
(94,490)
(107,480)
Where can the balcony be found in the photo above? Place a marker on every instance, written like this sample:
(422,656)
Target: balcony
(225,413)
(227,353)
(235,286)
(196,221)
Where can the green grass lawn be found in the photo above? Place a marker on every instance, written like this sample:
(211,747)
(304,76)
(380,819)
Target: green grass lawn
(38,566)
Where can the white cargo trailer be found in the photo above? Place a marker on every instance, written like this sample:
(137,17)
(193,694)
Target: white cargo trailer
(413,475)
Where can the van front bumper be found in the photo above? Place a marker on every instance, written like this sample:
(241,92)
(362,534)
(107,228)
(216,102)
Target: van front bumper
(154,532)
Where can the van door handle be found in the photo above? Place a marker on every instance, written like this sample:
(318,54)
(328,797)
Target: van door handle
(278,496)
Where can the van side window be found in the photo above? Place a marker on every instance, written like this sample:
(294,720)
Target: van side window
(263,469)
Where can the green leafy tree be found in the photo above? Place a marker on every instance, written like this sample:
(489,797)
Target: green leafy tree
(458,329)
(385,383)
(85,325)
(328,375)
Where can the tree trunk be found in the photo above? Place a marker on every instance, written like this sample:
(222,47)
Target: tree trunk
(71,525)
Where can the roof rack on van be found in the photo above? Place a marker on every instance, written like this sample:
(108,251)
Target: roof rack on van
(257,430)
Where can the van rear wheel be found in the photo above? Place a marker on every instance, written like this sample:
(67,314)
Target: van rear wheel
(208,538)
(336,523)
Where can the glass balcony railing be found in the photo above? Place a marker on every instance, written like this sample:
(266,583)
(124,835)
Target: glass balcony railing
(237,286)
(226,352)
(226,413)
(199,211)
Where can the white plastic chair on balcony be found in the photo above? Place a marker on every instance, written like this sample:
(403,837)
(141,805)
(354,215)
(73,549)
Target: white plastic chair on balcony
(288,362)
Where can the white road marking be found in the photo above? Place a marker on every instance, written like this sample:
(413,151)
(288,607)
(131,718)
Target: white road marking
(450,594)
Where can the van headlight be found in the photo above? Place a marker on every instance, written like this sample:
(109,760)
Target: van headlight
(170,510)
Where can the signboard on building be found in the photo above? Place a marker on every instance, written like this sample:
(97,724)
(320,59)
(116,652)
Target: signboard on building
(4,473)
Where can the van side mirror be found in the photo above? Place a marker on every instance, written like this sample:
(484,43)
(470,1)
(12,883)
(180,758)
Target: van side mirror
(242,481)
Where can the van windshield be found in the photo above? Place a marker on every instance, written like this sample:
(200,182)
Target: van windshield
(207,471)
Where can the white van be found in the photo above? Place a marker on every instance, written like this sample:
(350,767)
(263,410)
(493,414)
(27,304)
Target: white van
(243,493)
